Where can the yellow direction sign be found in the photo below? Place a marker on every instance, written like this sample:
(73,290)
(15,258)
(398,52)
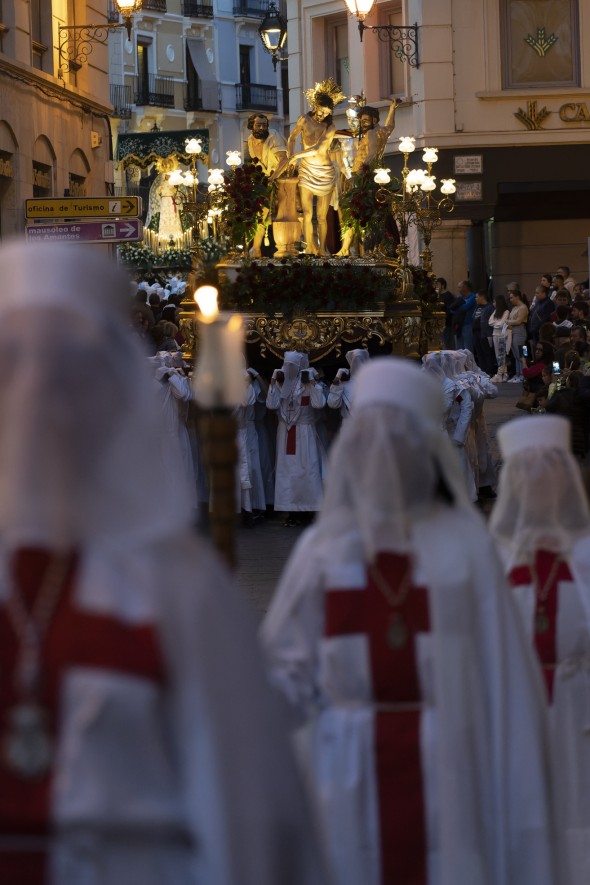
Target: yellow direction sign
(83,207)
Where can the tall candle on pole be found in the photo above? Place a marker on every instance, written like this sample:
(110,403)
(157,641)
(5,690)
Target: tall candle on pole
(218,386)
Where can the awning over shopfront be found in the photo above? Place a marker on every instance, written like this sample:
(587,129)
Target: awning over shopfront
(144,148)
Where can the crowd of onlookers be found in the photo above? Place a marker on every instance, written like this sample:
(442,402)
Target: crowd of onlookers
(540,342)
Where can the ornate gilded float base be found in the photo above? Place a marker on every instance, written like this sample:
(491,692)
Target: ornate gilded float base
(319,334)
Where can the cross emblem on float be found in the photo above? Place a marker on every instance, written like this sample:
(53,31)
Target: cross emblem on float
(300,330)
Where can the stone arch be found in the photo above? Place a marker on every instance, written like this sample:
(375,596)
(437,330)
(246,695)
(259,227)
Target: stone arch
(78,171)
(79,164)
(43,168)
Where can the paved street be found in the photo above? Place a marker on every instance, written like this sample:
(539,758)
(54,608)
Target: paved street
(263,551)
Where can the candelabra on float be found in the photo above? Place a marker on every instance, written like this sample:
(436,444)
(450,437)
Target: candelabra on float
(414,202)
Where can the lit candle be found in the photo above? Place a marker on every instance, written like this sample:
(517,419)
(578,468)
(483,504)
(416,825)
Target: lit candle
(219,377)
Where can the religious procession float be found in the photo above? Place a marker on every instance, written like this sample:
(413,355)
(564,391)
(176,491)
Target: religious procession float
(307,238)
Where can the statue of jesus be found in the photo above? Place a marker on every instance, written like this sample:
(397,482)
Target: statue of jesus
(317,172)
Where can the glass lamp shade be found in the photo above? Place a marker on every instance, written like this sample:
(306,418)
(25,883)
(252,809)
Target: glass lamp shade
(382,176)
(175,178)
(234,158)
(407,144)
(188,178)
(125,7)
(193,146)
(415,178)
(273,30)
(430,155)
(429,183)
(216,177)
(359,8)
(448,186)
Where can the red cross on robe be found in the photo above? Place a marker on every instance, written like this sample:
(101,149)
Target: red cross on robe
(545,641)
(292,432)
(74,638)
(395,681)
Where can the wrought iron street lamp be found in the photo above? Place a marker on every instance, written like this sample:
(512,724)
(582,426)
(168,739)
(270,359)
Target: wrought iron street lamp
(76,42)
(402,39)
(273,33)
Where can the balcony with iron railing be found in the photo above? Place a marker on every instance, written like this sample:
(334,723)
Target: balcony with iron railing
(153,6)
(250,9)
(193,9)
(254,97)
(154,91)
(121,100)
(192,98)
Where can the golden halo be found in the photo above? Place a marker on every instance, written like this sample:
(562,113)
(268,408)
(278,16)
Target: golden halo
(328,87)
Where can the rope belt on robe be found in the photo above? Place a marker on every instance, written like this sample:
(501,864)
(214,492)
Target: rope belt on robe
(291,448)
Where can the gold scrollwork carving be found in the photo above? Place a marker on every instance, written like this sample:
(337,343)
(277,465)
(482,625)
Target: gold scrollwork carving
(323,333)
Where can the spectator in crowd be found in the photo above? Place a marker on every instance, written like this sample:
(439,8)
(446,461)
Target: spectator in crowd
(483,348)
(578,335)
(557,283)
(501,337)
(547,333)
(462,310)
(568,280)
(542,359)
(540,313)
(570,401)
(446,299)
(579,313)
(562,344)
(561,314)
(517,323)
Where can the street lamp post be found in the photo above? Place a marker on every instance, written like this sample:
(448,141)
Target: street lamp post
(402,39)
(76,42)
(273,33)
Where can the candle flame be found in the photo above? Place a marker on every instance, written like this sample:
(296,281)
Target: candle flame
(206,298)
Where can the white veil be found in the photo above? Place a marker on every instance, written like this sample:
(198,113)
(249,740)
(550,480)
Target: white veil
(80,430)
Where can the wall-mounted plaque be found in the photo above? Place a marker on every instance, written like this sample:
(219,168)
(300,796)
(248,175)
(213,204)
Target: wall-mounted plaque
(469,190)
(469,164)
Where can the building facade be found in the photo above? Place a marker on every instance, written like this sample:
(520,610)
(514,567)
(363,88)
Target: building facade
(190,68)
(55,134)
(502,88)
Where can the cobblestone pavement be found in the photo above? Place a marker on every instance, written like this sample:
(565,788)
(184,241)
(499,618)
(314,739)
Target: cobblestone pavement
(263,551)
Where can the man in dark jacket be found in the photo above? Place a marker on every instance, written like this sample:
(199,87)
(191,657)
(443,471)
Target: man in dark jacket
(462,310)
(482,334)
(540,313)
